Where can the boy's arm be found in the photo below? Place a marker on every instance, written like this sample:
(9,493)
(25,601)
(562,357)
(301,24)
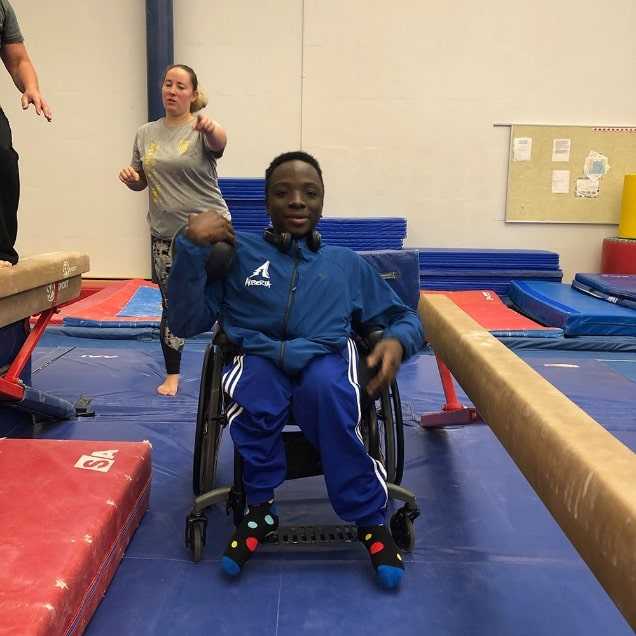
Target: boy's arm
(193,305)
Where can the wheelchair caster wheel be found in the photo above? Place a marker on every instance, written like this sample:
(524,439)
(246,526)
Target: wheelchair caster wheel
(197,543)
(195,536)
(402,529)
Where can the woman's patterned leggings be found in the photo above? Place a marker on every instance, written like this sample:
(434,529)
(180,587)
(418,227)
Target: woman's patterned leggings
(170,344)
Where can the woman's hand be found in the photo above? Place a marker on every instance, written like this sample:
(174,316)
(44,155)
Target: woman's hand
(204,124)
(387,357)
(212,130)
(209,227)
(130,177)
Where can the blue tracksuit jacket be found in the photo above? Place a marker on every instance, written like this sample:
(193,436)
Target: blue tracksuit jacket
(287,307)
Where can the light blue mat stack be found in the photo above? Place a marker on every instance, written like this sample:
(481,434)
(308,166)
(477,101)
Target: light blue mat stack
(451,269)
(246,201)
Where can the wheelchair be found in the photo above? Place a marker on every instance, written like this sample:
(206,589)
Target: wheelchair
(382,432)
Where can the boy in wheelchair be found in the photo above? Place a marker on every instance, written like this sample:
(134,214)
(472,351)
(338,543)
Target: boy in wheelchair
(289,303)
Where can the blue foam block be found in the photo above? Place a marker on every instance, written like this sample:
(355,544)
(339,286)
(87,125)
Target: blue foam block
(558,305)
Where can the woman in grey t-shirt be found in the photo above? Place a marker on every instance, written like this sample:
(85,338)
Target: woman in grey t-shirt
(175,158)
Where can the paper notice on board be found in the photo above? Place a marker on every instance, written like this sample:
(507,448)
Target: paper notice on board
(561,149)
(522,148)
(596,165)
(587,188)
(560,181)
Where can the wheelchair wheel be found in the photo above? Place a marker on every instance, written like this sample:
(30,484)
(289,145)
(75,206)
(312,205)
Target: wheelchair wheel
(399,432)
(210,422)
(403,530)
(380,434)
(197,544)
(195,535)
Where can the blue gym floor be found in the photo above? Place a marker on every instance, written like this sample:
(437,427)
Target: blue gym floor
(489,558)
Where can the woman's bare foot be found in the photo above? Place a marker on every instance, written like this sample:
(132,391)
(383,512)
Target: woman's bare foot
(170,385)
(5,264)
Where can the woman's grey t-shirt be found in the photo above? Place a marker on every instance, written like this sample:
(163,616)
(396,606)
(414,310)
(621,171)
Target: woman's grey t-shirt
(181,174)
(9,29)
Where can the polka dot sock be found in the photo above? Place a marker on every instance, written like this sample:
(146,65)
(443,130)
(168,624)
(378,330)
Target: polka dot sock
(260,521)
(385,556)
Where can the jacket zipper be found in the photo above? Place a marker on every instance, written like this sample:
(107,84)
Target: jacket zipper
(290,300)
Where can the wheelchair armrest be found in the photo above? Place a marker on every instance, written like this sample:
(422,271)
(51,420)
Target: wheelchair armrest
(369,334)
(228,348)
(222,340)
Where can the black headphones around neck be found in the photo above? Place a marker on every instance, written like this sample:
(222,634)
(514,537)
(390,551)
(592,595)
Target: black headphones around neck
(283,240)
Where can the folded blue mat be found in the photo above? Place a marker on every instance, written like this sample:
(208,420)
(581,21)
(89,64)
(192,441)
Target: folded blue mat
(492,273)
(146,301)
(619,289)
(464,258)
(400,269)
(558,305)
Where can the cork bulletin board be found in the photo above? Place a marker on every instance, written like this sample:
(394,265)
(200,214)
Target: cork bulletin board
(568,174)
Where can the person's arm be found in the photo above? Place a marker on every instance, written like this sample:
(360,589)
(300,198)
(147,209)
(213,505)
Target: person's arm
(18,63)
(402,330)
(133,176)
(193,304)
(213,133)
(134,179)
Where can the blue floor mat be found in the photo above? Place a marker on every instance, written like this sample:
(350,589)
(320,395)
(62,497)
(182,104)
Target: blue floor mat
(489,558)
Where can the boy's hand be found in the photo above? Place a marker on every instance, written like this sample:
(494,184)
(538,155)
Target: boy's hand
(209,227)
(387,357)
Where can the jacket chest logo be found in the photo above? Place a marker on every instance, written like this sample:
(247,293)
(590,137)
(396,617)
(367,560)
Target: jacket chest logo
(260,277)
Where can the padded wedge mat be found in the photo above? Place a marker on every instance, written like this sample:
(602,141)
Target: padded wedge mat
(558,305)
(67,512)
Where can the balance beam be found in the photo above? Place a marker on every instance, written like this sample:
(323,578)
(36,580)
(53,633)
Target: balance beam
(39,283)
(36,285)
(583,474)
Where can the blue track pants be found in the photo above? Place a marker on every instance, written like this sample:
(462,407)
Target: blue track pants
(324,401)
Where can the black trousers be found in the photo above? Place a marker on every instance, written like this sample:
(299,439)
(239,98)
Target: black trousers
(9,193)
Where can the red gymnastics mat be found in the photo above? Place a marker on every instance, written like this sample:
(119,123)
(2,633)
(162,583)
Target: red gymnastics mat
(126,303)
(486,308)
(67,512)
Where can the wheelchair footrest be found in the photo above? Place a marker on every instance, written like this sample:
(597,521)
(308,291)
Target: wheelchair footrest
(313,535)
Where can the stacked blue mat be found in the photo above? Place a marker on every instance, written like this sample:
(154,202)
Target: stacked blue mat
(594,305)
(453,269)
(246,200)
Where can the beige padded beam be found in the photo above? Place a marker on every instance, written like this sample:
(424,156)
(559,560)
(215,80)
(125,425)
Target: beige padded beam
(40,282)
(583,474)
